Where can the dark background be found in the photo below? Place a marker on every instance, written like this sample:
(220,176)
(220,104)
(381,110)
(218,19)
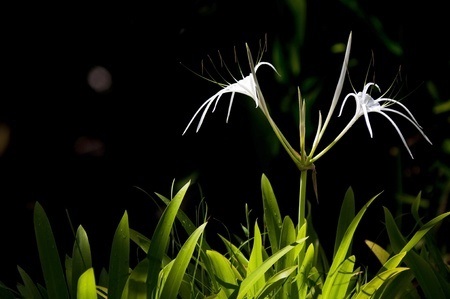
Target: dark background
(97,154)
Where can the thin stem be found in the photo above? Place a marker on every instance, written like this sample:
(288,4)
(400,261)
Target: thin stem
(302,198)
(349,125)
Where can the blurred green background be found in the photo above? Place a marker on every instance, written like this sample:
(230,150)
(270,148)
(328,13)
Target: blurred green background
(95,101)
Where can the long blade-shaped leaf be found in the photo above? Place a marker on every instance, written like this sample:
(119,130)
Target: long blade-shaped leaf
(119,261)
(237,258)
(160,240)
(86,285)
(425,274)
(48,254)
(81,258)
(372,286)
(345,217)
(424,230)
(343,249)
(255,261)
(29,287)
(184,256)
(400,286)
(272,216)
(136,286)
(275,282)
(252,278)
(185,221)
(343,278)
(288,236)
(303,274)
(381,254)
(224,273)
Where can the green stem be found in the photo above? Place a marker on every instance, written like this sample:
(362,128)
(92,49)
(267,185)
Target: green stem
(302,198)
(347,127)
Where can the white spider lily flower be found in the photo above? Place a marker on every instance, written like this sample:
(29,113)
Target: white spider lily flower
(366,104)
(245,86)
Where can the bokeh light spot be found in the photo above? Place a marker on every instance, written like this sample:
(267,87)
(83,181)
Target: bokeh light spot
(99,79)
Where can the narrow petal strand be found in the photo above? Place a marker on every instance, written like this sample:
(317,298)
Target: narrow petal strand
(398,131)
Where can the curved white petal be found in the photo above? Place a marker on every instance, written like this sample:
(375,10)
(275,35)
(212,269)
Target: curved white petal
(345,100)
(366,117)
(398,131)
(413,121)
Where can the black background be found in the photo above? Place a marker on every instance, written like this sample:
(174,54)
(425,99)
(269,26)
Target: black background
(47,105)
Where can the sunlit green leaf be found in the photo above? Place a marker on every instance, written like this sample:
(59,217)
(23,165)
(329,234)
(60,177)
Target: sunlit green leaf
(272,215)
(372,286)
(343,249)
(161,237)
(86,288)
(346,216)
(81,257)
(381,254)
(250,280)
(180,263)
(223,270)
(119,261)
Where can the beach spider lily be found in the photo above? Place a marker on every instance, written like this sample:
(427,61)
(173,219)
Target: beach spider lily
(366,104)
(247,85)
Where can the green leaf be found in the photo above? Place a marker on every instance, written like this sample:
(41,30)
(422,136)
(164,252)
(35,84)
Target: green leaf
(321,262)
(275,282)
(255,261)
(161,237)
(81,258)
(272,215)
(136,285)
(341,253)
(394,261)
(7,293)
(252,278)
(305,268)
(415,208)
(119,261)
(423,231)
(380,281)
(399,286)
(288,236)
(343,278)
(345,217)
(52,269)
(30,290)
(184,256)
(224,273)
(371,287)
(381,254)
(237,258)
(423,271)
(186,223)
(397,240)
(142,241)
(86,285)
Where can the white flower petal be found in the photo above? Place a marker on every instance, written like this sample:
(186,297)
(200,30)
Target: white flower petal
(367,104)
(398,131)
(245,86)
